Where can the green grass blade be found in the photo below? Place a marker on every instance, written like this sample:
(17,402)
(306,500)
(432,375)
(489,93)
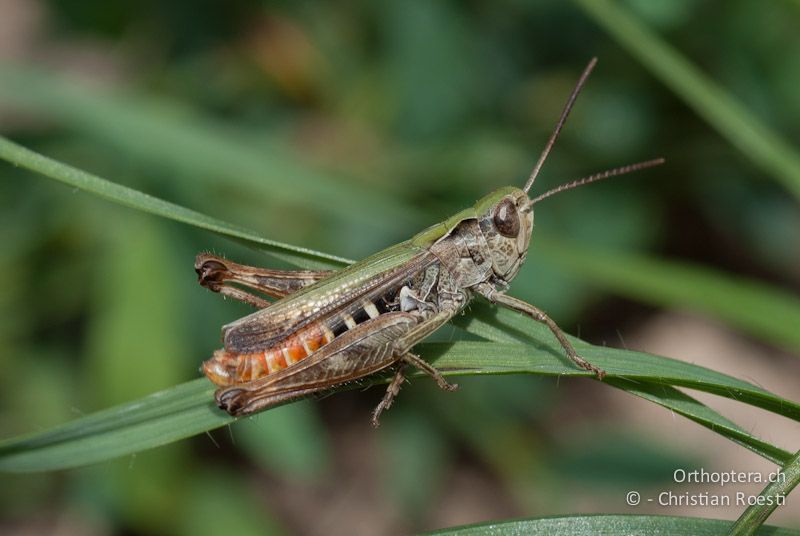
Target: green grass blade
(188,409)
(158,419)
(732,120)
(755,516)
(475,358)
(631,525)
(683,404)
(20,156)
(503,326)
(752,306)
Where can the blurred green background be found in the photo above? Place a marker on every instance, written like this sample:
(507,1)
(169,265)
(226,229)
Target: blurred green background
(346,128)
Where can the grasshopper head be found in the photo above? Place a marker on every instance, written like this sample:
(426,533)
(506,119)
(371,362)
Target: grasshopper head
(506,222)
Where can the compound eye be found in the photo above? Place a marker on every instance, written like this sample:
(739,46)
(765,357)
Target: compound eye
(506,219)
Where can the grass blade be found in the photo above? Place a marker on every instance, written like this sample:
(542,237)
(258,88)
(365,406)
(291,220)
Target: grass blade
(765,148)
(188,409)
(475,358)
(504,326)
(158,419)
(754,516)
(683,404)
(20,156)
(631,525)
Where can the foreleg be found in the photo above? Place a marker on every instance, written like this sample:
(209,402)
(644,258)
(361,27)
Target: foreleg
(494,296)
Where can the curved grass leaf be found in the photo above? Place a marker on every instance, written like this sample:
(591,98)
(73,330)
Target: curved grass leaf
(754,516)
(502,325)
(188,409)
(20,156)
(631,525)
(474,358)
(683,404)
(158,419)
(746,132)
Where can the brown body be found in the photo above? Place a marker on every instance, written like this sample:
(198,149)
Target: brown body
(329,328)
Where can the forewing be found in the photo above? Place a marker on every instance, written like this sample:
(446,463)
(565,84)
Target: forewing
(266,328)
(357,353)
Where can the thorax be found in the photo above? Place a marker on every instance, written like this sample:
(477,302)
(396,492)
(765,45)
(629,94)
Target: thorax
(465,254)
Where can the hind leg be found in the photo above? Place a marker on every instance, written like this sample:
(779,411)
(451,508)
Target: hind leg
(216,274)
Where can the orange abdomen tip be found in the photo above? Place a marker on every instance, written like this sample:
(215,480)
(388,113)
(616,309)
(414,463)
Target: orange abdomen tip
(221,368)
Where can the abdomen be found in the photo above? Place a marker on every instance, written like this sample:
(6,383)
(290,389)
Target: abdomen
(227,368)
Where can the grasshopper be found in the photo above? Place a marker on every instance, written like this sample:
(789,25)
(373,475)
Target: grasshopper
(328,328)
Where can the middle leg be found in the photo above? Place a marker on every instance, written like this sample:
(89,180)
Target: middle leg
(391,392)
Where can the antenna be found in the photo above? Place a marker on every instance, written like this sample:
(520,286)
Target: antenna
(561,120)
(630,168)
